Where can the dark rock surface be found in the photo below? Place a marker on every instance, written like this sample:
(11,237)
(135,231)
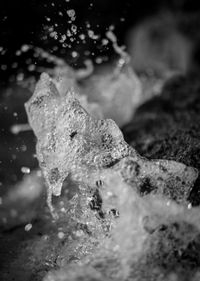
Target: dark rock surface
(168,126)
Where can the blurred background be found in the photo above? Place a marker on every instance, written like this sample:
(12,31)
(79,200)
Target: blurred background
(161,36)
(28,22)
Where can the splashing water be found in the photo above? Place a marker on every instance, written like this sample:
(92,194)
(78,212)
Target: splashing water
(72,142)
(124,57)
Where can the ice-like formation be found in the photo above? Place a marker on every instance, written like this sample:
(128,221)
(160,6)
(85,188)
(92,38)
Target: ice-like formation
(72,143)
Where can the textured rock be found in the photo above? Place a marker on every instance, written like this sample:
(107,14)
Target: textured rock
(168,127)
(155,239)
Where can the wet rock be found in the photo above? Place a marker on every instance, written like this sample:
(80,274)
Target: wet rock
(168,126)
(115,203)
(72,142)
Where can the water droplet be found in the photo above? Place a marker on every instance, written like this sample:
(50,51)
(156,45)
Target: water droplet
(25,170)
(28,227)
(61,235)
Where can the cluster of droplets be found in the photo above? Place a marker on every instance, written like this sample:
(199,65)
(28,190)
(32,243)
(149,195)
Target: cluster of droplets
(34,54)
(70,34)
(68,38)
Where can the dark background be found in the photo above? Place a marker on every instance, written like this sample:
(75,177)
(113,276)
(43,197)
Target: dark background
(24,21)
